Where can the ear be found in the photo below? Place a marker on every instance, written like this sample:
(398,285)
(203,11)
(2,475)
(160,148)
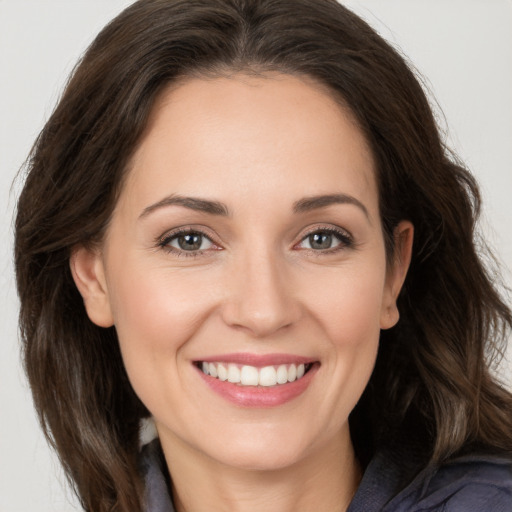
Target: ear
(397,270)
(88,273)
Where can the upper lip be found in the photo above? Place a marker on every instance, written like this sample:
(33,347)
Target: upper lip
(257,360)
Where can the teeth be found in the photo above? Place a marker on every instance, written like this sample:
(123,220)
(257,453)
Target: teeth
(282,374)
(251,376)
(248,376)
(222,372)
(212,369)
(233,374)
(268,376)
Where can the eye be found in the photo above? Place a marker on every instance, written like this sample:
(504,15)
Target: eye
(325,240)
(189,241)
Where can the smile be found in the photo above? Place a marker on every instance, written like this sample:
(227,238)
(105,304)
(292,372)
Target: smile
(249,380)
(247,375)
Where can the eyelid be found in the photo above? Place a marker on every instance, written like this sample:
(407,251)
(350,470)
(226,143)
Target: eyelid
(163,240)
(344,236)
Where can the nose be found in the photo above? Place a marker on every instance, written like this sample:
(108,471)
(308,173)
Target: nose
(261,298)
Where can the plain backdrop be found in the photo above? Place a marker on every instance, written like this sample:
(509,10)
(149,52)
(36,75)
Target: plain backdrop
(462,47)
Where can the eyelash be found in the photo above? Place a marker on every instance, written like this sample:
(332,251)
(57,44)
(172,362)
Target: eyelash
(164,241)
(345,239)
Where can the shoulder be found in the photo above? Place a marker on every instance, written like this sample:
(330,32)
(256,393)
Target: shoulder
(397,481)
(476,483)
(152,468)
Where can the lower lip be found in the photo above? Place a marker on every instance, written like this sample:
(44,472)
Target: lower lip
(260,396)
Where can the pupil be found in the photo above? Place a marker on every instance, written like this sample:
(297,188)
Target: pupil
(190,242)
(320,240)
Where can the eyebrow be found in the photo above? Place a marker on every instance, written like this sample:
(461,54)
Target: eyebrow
(211,207)
(322,201)
(193,203)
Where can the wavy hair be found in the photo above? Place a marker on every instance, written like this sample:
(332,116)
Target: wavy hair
(433,368)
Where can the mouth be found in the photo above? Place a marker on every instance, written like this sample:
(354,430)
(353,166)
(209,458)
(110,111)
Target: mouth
(247,375)
(257,381)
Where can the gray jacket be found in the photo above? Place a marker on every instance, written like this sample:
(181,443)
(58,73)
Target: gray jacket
(476,483)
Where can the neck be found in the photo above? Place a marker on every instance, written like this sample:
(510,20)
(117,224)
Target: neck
(324,481)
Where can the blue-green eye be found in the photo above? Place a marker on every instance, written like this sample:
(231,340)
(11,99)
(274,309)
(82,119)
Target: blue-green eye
(189,241)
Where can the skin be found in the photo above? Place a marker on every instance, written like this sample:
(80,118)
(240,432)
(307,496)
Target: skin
(258,145)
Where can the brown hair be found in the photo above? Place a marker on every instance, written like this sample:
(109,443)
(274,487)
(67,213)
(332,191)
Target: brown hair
(433,367)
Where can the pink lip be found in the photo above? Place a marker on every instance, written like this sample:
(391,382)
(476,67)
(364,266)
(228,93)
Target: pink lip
(258,396)
(257,360)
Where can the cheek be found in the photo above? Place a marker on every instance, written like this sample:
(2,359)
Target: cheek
(155,315)
(158,303)
(350,315)
(350,308)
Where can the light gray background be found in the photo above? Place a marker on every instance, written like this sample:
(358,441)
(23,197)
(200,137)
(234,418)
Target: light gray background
(464,47)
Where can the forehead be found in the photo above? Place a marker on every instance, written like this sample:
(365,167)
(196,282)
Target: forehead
(224,136)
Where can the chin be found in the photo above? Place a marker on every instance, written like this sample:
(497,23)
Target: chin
(268,460)
(260,452)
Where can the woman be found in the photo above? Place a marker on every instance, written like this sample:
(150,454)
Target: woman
(241,221)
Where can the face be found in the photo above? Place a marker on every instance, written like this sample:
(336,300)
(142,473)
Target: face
(245,271)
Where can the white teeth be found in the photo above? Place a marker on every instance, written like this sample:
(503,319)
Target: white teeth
(222,372)
(282,374)
(233,374)
(252,376)
(268,376)
(249,376)
(212,369)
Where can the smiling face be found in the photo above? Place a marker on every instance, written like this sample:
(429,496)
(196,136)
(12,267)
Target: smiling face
(246,245)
